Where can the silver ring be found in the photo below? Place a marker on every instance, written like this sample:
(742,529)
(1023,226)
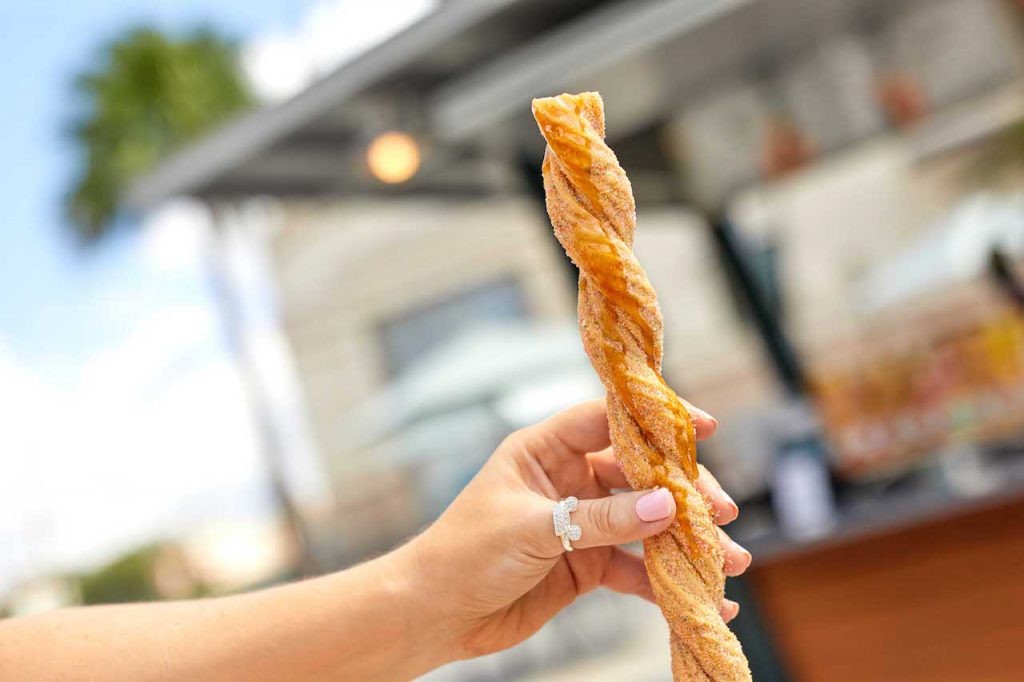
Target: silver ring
(564,527)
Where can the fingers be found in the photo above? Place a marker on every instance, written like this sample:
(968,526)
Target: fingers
(607,521)
(703,423)
(625,573)
(606,470)
(580,429)
(558,443)
(725,510)
(609,475)
(584,428)
(737,558)
(627,517)
(729,609)
(623,518)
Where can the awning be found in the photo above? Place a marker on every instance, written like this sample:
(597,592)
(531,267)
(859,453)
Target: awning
(461,80)
(311,144)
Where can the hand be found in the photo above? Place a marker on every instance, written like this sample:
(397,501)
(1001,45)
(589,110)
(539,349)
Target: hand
(490,572)
(485,576)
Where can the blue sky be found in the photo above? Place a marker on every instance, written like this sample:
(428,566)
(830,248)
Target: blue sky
(103,353)
(41,46)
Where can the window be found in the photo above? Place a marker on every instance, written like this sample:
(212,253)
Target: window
(408,338)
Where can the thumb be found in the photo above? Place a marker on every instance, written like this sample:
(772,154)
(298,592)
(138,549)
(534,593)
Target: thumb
(624,518)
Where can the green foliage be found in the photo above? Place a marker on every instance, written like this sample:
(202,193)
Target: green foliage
(151,94)
(127,579)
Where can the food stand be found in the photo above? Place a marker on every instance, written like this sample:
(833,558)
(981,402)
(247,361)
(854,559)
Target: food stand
(918,575)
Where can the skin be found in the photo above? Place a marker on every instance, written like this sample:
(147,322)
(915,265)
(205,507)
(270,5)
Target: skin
(483,577)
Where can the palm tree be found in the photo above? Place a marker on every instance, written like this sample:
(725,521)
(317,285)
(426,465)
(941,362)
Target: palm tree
(150,95)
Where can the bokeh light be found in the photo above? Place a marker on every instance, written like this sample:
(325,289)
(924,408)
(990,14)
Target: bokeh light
(393,157)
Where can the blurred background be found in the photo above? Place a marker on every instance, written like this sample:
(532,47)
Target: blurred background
(264,263)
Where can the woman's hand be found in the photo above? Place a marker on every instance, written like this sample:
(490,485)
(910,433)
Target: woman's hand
(490,572)
(485,576)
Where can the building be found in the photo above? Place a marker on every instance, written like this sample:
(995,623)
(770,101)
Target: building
(839,135)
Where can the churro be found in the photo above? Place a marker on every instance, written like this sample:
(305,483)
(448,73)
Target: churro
(590,203)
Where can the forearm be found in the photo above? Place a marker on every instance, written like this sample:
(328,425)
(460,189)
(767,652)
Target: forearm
(365,623)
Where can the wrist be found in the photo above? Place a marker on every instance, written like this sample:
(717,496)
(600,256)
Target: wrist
(416,590)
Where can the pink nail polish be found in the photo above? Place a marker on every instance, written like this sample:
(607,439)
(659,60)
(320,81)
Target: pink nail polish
(697,412)
(655,505)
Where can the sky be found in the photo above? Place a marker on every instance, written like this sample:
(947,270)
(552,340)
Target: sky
(121,415)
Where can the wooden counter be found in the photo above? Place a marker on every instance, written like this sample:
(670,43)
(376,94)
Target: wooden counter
(940,599)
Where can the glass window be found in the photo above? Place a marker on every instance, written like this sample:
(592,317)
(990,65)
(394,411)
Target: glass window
(407,338)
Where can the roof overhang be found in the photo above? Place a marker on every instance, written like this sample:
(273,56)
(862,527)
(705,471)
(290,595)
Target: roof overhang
(214,159)
(461,80)
(472,105)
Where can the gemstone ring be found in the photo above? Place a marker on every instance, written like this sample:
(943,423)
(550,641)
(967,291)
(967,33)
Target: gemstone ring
(566,531)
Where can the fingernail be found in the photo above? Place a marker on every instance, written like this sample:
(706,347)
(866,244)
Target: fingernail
(703,415)
(730,609)
(748,558)
(729,501)
(655,505)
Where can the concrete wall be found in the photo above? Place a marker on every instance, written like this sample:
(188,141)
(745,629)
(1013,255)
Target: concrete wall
(347,268)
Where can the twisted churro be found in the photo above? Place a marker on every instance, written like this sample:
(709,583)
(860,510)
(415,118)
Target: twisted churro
(590,202)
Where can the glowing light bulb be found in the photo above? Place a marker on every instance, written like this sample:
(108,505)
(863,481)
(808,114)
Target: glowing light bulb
(393,157)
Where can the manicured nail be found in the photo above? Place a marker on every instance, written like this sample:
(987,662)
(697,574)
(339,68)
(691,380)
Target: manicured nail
(655,505)
(748,558)
(701,414)
(730,502)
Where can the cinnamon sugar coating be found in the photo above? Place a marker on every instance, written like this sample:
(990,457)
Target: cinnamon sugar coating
(590,203)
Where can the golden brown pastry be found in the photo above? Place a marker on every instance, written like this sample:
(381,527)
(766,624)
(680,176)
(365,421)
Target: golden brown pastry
(590,202)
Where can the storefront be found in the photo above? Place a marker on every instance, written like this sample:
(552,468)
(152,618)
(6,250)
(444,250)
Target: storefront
(830,149)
